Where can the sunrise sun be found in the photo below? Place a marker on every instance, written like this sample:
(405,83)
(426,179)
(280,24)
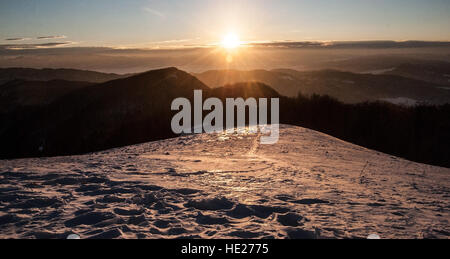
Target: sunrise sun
(231,41)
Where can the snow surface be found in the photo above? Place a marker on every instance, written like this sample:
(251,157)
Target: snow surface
(309,185)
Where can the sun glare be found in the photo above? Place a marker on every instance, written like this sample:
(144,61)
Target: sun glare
(231,41)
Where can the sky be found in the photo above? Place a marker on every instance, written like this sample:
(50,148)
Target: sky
(147,23)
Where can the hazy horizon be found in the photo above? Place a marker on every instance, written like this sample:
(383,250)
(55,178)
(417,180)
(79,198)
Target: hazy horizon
(155,23)
(200,35)
(124,61)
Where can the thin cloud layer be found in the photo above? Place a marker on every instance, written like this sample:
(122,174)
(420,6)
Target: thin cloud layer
(51,37)
(352,44)
(35,46)
(17,39)
(154,12)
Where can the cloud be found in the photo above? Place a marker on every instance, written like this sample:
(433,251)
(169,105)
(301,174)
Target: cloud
(35,46)
(352,44)
(51,37)
(17,39)
(173,41)
(288,44)
(154,12)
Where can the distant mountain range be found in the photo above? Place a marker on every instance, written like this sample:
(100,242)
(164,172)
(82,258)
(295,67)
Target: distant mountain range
(409,83)
(31,74)
(345,86)
(435,72)
(432,71)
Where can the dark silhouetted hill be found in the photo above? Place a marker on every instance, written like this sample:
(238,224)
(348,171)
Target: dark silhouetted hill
(20,94)
(112,114)
(244,90)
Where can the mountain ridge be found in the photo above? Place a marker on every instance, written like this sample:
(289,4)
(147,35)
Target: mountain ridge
(347,87)
(47,74)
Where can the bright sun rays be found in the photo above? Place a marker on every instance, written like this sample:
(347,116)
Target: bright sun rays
(231,41)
